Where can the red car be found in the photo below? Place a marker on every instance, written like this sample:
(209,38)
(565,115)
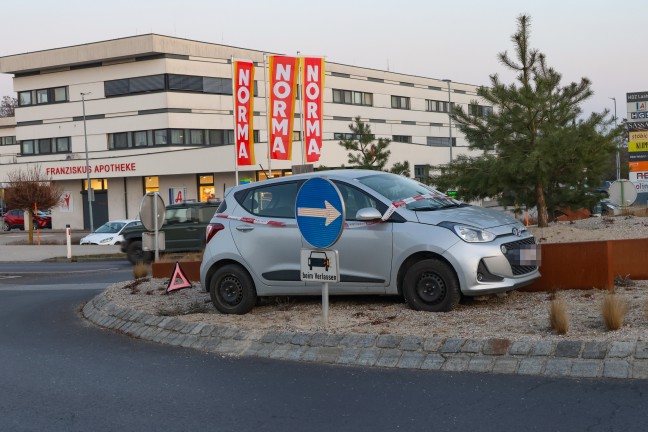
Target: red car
(16,219)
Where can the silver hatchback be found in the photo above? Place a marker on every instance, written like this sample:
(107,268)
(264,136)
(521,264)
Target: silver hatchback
(401,238)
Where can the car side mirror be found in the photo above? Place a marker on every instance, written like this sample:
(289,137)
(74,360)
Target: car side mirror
(368,214)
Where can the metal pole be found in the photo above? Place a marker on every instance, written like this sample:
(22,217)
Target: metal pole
(155,225)
(301,108)
(85,137)
(449,118)
(265,84)
(236,173)
(325,304)
(618,157)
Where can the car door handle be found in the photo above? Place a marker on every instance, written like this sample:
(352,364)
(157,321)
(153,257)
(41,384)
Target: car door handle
(245,228)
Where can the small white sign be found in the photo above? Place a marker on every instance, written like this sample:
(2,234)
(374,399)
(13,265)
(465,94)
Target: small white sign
(319,266)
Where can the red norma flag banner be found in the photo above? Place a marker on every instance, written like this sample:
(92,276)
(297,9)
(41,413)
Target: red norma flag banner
(244,112)
(313,98)
(283,86)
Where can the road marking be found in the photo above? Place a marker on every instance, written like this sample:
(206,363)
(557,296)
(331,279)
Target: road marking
(8,277)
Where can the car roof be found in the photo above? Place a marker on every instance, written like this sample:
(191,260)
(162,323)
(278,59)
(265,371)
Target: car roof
(339,174)
(123,220)
(194,204)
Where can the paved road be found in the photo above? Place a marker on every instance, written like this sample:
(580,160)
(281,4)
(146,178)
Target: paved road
(61,374)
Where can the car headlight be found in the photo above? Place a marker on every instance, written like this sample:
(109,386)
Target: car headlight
(469,234)
(106,240)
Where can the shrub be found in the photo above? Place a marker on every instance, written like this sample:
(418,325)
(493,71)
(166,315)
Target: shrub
(558,317)
(140,270)
(614,310)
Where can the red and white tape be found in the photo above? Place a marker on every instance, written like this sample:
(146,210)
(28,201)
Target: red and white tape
(392,208)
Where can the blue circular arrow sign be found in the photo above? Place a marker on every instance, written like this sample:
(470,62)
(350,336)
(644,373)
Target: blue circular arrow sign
(320,212)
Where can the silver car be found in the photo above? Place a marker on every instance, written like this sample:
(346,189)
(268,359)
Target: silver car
(401,238)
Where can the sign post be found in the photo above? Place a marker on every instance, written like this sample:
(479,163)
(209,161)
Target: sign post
(152,216)
(320,219)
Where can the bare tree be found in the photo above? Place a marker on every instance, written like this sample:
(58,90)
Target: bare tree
(8,106)
(30,189)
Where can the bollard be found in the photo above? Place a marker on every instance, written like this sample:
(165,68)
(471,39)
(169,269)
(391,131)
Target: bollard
(68,239)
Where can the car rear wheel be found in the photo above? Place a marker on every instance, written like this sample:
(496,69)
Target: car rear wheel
(431,285)
(232,290)
(135,253)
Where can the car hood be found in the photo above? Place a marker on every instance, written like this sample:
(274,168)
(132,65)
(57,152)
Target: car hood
(478,217)
(98,237)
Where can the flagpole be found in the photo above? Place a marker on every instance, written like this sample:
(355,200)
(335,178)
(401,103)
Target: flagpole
(236,175)
(265,82)
(301,109)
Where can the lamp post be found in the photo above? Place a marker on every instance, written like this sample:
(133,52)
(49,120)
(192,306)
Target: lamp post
(85,137)
(449,118)
(618,157)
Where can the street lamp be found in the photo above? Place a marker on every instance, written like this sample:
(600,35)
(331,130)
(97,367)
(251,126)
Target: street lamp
(449,117)
(85,137)
(618,157)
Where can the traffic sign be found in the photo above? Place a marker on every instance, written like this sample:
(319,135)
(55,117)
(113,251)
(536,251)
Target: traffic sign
(152,211)
(320,212)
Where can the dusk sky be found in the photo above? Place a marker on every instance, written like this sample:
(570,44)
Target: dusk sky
(459,40)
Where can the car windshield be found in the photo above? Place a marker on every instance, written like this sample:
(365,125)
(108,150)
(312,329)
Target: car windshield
(110,227)
(396,188)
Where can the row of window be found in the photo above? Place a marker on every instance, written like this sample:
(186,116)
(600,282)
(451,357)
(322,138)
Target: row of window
(437,106)
(163,137)
(43,96)
(7,140)
(170,82)
(431,140)
(350,97)
(45,146)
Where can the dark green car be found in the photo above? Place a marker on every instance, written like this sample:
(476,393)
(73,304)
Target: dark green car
(184,230)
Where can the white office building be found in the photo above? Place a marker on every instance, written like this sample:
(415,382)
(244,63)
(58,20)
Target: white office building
(158,117)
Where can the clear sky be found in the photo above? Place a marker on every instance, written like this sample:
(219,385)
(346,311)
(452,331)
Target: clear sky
(601,40)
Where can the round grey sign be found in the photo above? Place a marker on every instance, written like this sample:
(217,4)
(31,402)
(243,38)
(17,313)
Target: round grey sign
(148,212)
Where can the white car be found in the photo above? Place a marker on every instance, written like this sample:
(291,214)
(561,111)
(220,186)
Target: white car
(110,232)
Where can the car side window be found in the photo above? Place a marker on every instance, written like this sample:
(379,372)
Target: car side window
(273,201)
(355,199)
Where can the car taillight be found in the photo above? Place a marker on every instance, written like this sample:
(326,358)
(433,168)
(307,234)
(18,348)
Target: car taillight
(212,229)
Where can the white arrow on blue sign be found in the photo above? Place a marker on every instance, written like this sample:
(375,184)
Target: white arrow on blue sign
(320,212)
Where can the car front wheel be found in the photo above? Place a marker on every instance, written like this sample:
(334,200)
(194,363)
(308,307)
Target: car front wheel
(136,254)
(431,285)
(232,290)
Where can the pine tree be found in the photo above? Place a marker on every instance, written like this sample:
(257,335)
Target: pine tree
(368,155)
(535,149)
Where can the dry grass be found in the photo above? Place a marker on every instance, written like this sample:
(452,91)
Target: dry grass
(173,257)
(634,210)
(558,317)
(614,310)
(140,270)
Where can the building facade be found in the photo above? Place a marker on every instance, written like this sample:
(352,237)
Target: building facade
(155,114)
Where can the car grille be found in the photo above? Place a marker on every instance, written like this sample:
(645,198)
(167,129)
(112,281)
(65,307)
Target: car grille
(513,254)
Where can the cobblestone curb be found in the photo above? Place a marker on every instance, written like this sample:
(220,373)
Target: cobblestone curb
(577,359)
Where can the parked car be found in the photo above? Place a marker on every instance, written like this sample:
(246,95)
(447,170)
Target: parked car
(15,219)
(110,233)
(184,230)
(430,251)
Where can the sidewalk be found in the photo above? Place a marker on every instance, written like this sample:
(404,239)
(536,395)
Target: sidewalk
(23,253)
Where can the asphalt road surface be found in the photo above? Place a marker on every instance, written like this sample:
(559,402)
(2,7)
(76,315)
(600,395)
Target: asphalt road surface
(58,373)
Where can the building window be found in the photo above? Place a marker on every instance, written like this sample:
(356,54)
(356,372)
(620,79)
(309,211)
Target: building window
(151,184)
(437,106)
(42,96)
(206,190)
(440,141)
(197,136)
(45,146)
(160,137)
(118,140)
(144,84)
(171,82)
(8,140)
(402,138)
(347,136)
(63,145)
(97,184)
(177,136)
(140,139)
(352,97)
(400,102)
(480,110)
(422,172)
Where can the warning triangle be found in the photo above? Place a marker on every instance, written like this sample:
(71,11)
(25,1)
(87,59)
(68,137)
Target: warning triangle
(174,284)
